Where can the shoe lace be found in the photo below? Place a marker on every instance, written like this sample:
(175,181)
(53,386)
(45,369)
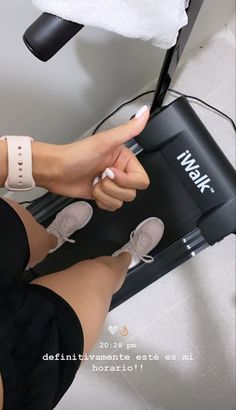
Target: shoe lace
(143,257)
(64,237)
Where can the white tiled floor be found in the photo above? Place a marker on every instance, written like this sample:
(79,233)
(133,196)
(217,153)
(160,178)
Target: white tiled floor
(189,311)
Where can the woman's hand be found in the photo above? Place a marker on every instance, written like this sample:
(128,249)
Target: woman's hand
(73,167)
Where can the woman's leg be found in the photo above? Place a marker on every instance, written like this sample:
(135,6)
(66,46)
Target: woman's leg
(88,288)
(40,241)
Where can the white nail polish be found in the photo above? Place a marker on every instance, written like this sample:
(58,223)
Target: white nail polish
(109,173)
(141,111)
(104,175)
(96,181)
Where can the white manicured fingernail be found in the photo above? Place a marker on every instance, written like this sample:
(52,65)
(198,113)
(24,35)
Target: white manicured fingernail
(96,181)
(109,173)
(104,175)
(141,111)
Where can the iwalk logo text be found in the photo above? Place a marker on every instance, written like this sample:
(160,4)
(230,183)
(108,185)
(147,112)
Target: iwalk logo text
(192,168)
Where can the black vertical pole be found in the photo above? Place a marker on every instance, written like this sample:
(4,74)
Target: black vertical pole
(173,55)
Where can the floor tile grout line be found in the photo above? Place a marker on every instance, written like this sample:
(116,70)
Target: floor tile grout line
(153,321)
(218,88)
(136,391)
(210,364)
(193,345)
(202,109)
(169,311)
(204,97)
(170,314)
(181,71)
(214,370)
(208,371)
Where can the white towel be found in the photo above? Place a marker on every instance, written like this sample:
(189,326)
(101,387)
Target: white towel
(158,21)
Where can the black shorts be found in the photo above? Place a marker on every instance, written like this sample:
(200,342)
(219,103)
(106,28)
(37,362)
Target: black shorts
(35,326)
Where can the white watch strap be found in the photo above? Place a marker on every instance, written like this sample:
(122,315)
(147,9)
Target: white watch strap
(20,174)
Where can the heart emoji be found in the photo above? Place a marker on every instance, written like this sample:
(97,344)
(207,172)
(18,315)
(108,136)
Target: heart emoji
(113,330)
(124,331)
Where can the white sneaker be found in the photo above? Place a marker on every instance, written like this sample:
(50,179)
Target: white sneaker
(72,218)
(143,240)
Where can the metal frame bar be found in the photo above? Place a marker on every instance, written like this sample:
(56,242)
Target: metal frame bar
(173,56)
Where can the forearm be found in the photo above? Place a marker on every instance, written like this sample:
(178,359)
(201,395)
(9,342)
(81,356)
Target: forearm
(46,162)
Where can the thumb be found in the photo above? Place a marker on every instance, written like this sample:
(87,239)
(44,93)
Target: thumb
(119,135)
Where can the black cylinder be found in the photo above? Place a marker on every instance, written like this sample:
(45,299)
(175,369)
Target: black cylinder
(48,34)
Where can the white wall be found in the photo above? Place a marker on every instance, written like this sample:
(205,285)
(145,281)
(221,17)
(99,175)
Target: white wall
(59,100)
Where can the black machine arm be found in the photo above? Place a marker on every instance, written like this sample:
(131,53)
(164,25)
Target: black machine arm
(48,34)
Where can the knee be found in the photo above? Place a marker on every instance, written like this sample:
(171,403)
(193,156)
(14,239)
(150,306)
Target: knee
(98,271)
(96,267)
(109,273)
